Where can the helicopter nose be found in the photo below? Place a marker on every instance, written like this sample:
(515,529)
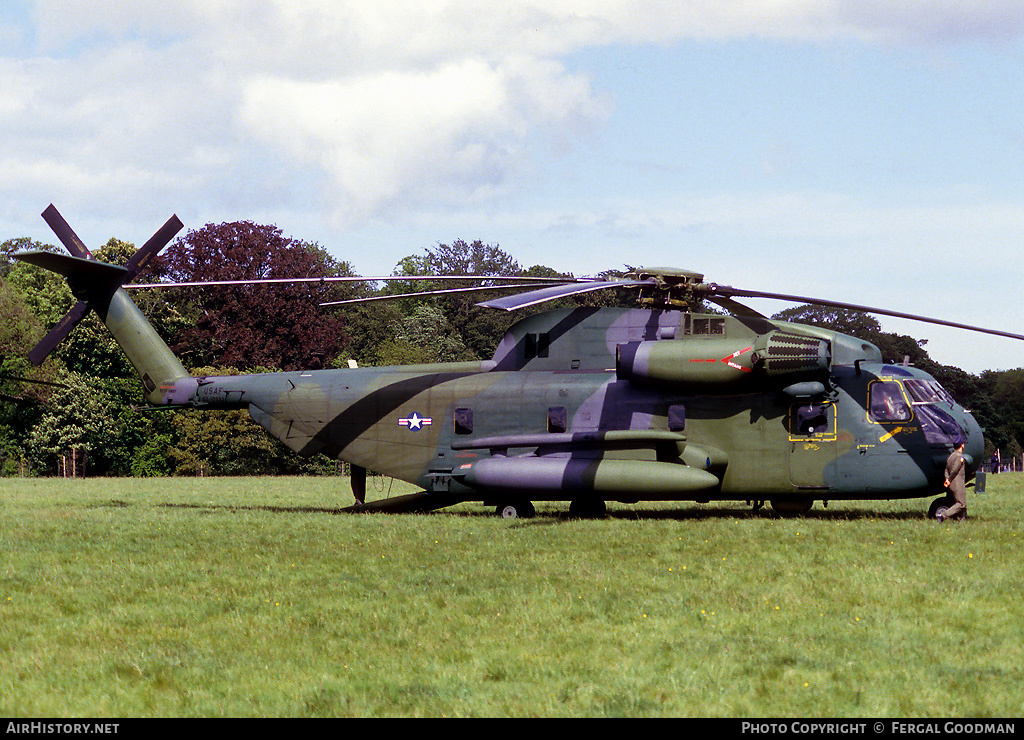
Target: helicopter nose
(974,445)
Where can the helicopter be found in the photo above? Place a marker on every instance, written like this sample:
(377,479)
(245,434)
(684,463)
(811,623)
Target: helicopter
(663,401)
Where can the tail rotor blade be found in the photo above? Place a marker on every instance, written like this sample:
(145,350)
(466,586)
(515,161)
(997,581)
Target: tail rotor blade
(65,233)
(93,282)
(152,248)
(57,334)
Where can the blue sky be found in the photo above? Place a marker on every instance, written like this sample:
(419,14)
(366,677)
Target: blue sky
(867,151)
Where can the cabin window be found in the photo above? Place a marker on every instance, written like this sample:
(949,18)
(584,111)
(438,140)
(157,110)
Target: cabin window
(537,345)
(812,422)
(886,402)
(811,419)
(463,421)
(676,418)
(705,326)
(558,419)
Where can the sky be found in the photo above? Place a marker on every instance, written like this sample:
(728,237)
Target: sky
(859,150)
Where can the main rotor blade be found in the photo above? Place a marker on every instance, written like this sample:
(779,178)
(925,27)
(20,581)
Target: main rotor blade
(729,291)
(533,297)
(347,279)
(56,335)
(735,307)
(427,294)
(65,233)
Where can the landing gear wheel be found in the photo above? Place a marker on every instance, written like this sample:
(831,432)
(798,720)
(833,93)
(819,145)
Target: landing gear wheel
(938,506)
(587,509)
(792,506)
(515,510)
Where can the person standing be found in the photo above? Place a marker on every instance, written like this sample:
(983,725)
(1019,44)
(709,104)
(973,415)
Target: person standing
(956,482)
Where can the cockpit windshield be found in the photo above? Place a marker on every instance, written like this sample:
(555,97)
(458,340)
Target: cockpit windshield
(927,391)
(939,427)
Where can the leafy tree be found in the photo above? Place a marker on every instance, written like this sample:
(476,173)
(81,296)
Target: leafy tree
(20,401)
(280,325)
(370,327)
(1005,391)
(461,258)
(11,247)
(45,293)
(219,443)
(152,458)
(99,417)
(480,329)
(424,336)
(19,331)
(78,416)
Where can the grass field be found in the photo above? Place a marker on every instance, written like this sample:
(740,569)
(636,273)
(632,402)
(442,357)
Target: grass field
(244,597)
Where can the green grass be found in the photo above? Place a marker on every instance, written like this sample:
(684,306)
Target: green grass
(255,597)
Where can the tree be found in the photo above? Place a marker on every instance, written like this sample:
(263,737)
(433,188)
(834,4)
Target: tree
(1005,390)
(424,336)
(45,293)
(280,326)
(10,247)
(370,327)
(219,443)
(843,320)
(89,349)
(21,401)
(480,329)
(78,416)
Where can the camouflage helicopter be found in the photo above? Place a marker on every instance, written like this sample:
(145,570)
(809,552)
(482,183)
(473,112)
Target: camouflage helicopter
(662,402)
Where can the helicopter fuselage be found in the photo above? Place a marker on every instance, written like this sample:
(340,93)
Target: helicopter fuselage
(625,405)
(585,404)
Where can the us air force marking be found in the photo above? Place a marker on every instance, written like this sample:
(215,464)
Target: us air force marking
(415,422)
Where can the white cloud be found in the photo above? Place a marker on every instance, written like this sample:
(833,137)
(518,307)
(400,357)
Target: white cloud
(314,34)
(935,21)
(387,105)
(456,132)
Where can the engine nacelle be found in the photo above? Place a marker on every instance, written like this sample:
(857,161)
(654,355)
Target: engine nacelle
(699,362)
(717,361)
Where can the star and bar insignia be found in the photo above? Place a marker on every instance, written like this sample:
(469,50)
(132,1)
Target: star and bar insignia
(415,422)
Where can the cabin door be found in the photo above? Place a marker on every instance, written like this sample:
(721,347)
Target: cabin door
(812,440)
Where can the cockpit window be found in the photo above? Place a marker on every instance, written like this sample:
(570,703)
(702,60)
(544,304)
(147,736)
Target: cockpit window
(927,391)
(938,426)
(886,402)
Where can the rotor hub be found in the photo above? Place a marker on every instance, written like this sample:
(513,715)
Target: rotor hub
(669,286)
